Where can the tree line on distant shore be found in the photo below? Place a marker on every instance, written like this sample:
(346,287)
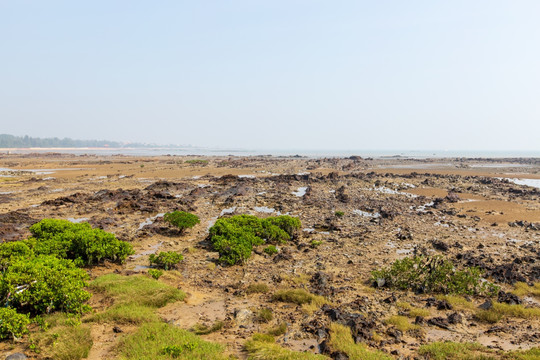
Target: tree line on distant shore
(11,141)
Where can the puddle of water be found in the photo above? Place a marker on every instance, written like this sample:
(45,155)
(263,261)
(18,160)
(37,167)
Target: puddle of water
(309,230)
(77,220)
(149,221)
(300,192)
(303,173)
(438,223)
(49,178)
(6,192)
(261,193)
(366,214)
(228,211)
(246,176)
(528,182)
(422,208)
(56,190)
(332,191)
(141,267)
(264,209)
(404,251)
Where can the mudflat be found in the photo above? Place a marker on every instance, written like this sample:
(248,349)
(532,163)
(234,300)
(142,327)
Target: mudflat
(358,215)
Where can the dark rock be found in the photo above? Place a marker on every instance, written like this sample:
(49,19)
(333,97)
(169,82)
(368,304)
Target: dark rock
(419,320)
(440,245)
(486,305)
(508,298)
(117,330)
(444,305)
(455,318)
(439,321)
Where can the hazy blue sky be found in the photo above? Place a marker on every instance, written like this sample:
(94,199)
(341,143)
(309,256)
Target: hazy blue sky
(275,74)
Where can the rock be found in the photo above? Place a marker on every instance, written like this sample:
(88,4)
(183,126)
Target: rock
(440,322)
(419,320)
(487,305)
(455,318)
(440,245)
(243,317)
(444,305)
(16,356)
(508,298)
(117,330)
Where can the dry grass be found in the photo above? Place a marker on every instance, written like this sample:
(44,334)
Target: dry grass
(341,340)
(401,323)
(457,301)
(500,311)
(411,310)
(522,289)
(257,288)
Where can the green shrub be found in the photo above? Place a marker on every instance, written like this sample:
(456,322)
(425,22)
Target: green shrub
(278,330)
(44,284)
(79,242)
(270,250)
(181,219)
(166,260)
(156,274)
(197,162)
(315,243)
(264,315)
(10,251)
(433,274)
(234,237)
(12,324)
(339,213)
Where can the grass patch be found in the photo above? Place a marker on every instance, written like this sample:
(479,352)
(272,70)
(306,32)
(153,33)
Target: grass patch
(264,315)
(298,279)
(129,313)
(279,330)
(455,351)
(522,289)
(341,340)
(64,339)
(136,289)
(257,288)
(264,348)
(299,297)
(159,341)
(531,354)
(458,302)
(411,310)
(501,310)
(200,329)
(401,323)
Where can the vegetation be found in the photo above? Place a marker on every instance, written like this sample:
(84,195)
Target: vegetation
(78,242)
(11,141)
(401,323)
(501,310)
(156,274)
(12,324)
(278,330)
(315,243)
(270,250)
(341,340)
(257,288)
(166,260)
(264,315)
(522,289)
(44,284)
(339,213)
(433,274)
(200,329)
(262,347)
(130,313)
(412,311)
(159,341)
(299,297)
(197,162)
(454,351)
(458,302)
(234,237)
(181,219)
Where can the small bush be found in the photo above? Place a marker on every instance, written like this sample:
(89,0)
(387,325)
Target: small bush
(181,219)
(156,274)
(9,251)
(315,243)
(67,240)
(433,274)
(339,213)
(166,260)
(44,284)
(197,162)
(257,288)
(234,237)
(12,324)
(270,250)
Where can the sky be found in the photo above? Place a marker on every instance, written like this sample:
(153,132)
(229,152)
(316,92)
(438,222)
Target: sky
(294,74)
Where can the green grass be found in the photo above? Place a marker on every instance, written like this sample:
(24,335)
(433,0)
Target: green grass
(257,288)
(457,301)
(153,341)
(200,329)
(299,297)
(411,310)
(401,323)
(129,313)
(64,338)
(136,289)
(341,340)
(278,330)
(501,310)
(262,347)
(522,289)
(264,315)
(531,354)
(455,351)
